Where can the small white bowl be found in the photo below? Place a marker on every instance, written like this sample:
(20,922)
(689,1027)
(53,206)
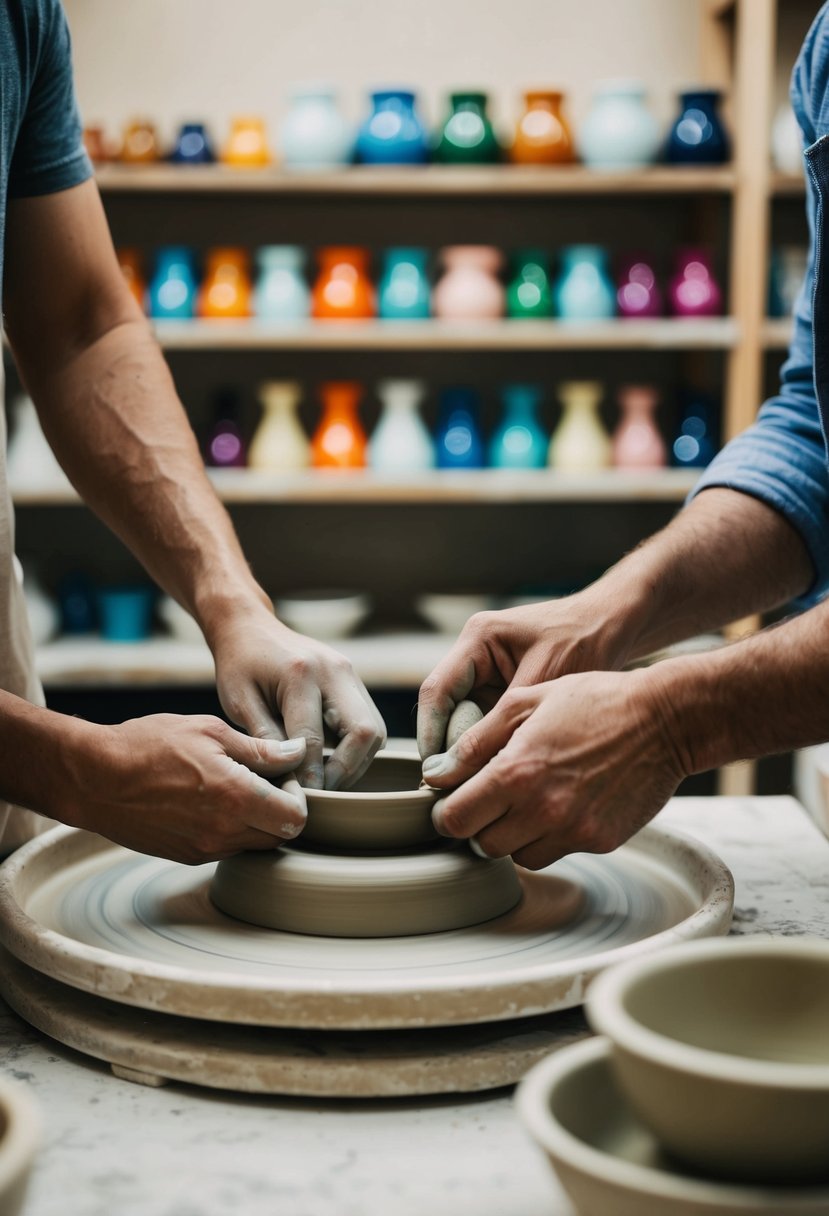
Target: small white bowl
(325,615)
(610,1164)
(179,621)
(20,1133)
(449,613)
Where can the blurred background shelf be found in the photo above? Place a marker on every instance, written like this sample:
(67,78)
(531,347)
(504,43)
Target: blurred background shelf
(777,333)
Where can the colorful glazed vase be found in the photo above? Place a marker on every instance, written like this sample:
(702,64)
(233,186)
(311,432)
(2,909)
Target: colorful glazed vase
(698,136)
(132,268)
(637,443)
(580,444)
(393,133)
(343,290)
(97,145)
(695,445)
(172,291)
(247,144)
(543,135)
(638,293)
(281,293)
(519,440)
(584,290)
(314,134)
(469,289)
(140,143)
(403,291)
(529,294)
(401,443)
(458,440)
(693,290)
(192,146)
(467,136)
(280,443)
(224,447)
(76,597)
(339,441)
(226,290)
(619,132)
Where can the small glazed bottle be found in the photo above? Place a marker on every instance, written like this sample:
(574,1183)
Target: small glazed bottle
(314,134)
(458,440)
(400,442)
(637,443)
(339,441)
(280,443)
(132,268)
(467,136)
(247,145)
(140,143)
(393,133)
(584,290)
(343,290)
(619,132)
(224,447)
(543,135)
(192,146)
(580,444)
(97,145)
(226,290)
(698,136)
(519,440)
(172,290)
(695,445)
(693,291)
(31,462)
(638,293)
(529,294)
(469,289)
(403,290)
(281,292)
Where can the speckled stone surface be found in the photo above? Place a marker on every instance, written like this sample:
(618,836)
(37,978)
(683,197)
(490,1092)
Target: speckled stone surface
(114,1147)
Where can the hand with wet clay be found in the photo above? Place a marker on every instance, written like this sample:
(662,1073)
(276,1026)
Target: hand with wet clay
(278,684)
(577,764)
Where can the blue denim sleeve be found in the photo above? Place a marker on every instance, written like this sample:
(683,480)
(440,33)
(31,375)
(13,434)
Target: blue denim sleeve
(782,458)
(49,153)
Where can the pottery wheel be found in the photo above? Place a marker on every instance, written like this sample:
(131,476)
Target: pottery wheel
(143,931)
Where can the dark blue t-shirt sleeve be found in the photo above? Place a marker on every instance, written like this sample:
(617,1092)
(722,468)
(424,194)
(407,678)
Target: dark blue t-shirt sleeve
(49,154)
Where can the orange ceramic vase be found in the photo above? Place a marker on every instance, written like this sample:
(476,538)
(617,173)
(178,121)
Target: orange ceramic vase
(226,290)
(339,441)
(133,271)
(97,147)
(247,145)
(543,136)
(140,145)
(343,290)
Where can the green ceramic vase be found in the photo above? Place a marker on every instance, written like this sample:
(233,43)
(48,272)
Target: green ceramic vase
(529,294)
(467,137)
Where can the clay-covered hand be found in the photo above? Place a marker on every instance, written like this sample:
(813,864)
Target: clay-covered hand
(189,788)
(513,648)
(278,684)
(577,764)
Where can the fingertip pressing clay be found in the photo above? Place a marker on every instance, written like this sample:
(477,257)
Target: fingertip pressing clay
(465,715)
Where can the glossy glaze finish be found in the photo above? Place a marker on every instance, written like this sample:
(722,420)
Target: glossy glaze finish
(469,288)
(467,136)
(403,290)
(139,144)
(401,442)
(580,443)
(224,447)
(543,135)
(281,292)
(280,443)
(638,293)
(192,146)
(339,441)
(247,145)
(529,294)
(132,268)
(226,290)
(343,290)
(172,289)
(693,291)
(314,134)
(695,445)
(698,136)
(637,441)
(519,441)
(584,290)
(458,439)
(619,132)
(393,133)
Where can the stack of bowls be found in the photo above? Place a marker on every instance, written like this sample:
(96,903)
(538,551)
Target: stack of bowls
(709,1093)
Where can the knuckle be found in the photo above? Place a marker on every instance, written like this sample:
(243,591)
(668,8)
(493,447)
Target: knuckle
(480,624)
(299,668)
(364,732)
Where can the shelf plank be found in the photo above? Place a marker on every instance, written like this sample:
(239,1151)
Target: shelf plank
(784,185)
(716,333)
(777,333)
(249,486)
(438,180)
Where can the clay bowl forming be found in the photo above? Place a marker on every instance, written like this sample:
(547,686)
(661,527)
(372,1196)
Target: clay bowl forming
(385,810)
(609,1162)
(19,1140)
(722,1048)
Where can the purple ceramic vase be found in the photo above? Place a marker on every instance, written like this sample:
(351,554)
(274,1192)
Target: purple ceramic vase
(693,291)
(638,294)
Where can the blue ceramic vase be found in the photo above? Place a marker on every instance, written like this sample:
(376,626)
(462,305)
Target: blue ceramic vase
(695,445)
(403,290)
(519,441)
(393,133)
(192,146)
(458,441)
(172,290)
(698,136)
(584,290)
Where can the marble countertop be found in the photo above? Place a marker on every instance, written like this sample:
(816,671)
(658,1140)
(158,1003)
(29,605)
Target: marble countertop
(112,1147)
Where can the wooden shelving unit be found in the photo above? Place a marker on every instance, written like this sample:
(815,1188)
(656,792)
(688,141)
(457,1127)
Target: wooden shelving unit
(777,333)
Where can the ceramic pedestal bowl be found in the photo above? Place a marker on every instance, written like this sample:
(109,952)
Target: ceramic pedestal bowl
(609,1162)
(722,1048)
(19,1139)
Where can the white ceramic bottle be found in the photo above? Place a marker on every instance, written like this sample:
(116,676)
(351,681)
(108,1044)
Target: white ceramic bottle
(580,443)
(280,444)
(41,609)
(31,463)
(314,134)
(401,443)
(619,132)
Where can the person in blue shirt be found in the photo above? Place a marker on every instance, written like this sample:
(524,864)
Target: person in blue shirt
(576,755)
(192,789)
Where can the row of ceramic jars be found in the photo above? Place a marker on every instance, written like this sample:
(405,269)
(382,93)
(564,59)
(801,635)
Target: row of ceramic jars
(401,441)
(469,288)
(619,132)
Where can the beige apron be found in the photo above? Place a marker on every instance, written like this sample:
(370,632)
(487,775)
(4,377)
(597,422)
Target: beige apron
(17,670)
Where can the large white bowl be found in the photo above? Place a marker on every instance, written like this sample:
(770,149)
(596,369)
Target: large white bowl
(326,615)
(20,1130)
(449,613)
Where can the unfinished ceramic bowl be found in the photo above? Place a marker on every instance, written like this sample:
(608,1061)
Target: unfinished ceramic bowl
(722,1048)
(385,810)
(365,896)
(610,1163)
(19,1140)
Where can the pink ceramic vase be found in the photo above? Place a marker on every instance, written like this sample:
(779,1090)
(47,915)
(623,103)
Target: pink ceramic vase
(637,443)
(693,290)
(638,294)
(469,289)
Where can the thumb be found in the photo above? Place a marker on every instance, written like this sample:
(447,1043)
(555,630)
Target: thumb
(475,748)
(270,757)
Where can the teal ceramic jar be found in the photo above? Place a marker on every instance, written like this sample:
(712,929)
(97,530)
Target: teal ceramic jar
(403,290)
(584,290)
(519,441)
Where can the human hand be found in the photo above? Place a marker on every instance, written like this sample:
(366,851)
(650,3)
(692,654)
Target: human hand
(574,765)
(192,789)
(277,684)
